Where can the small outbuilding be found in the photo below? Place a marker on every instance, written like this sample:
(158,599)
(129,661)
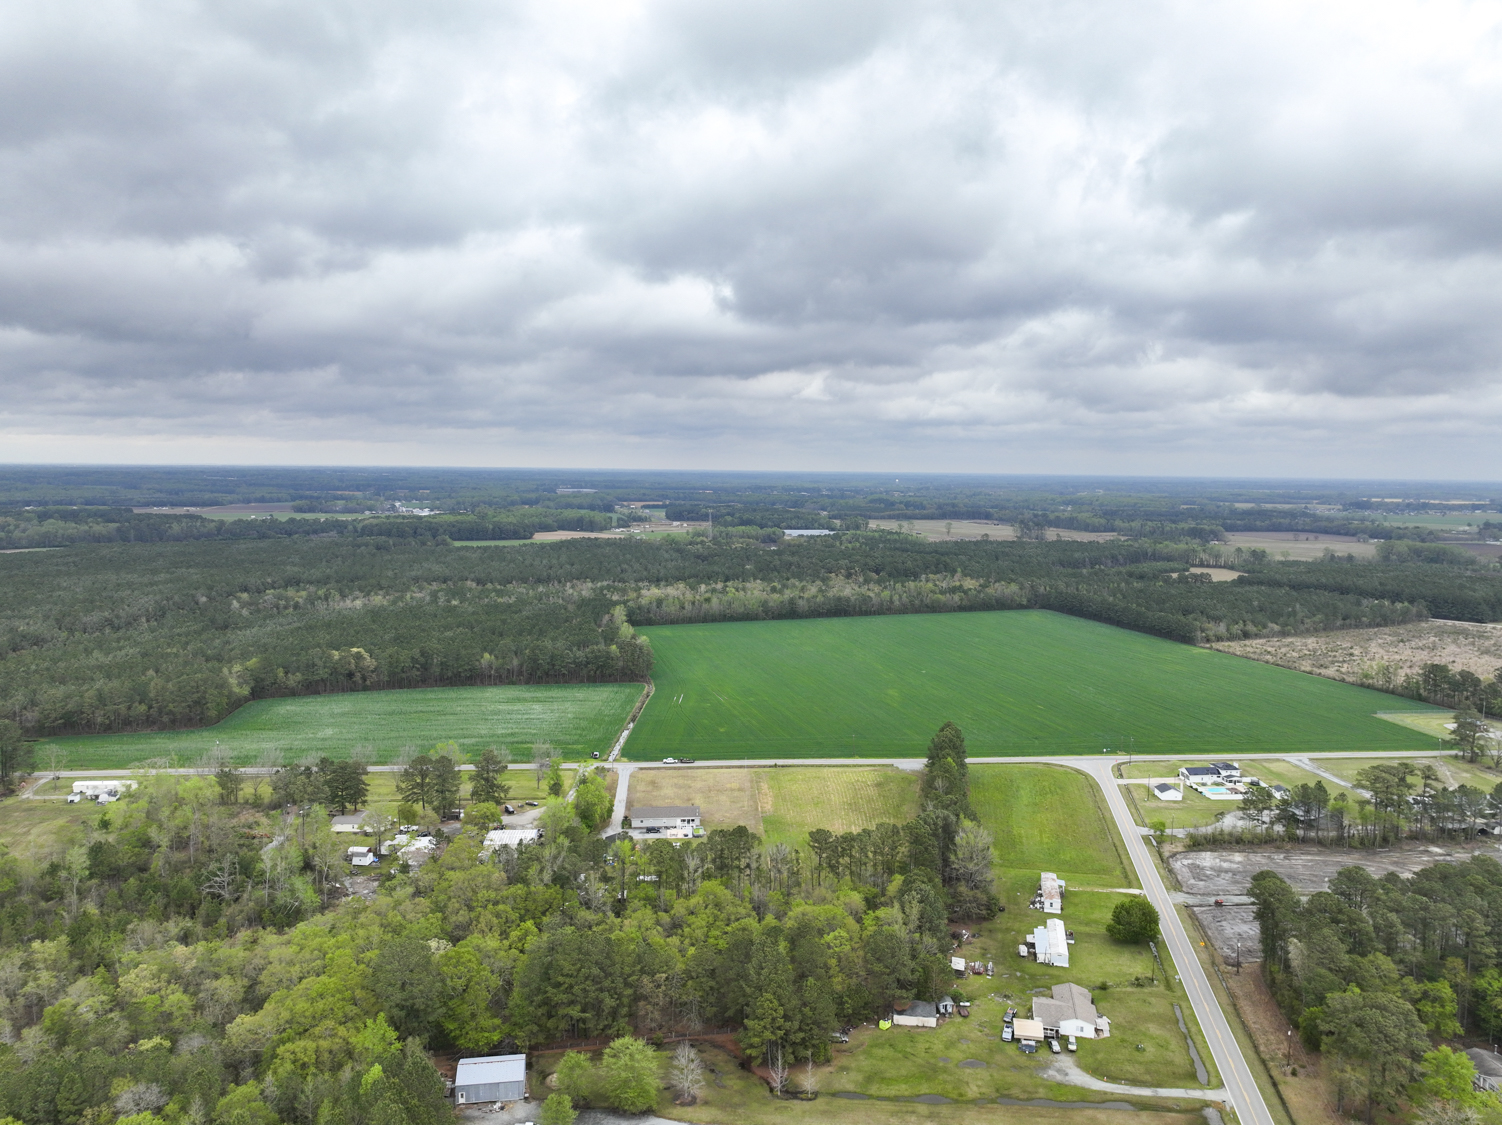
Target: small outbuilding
(918,1013)
(1165,792)
(495,1078)
(1027,1030)
(945,1006)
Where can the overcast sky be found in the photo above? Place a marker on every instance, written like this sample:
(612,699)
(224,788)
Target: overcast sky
(1243,238)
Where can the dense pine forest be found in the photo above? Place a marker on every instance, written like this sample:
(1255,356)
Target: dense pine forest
(1375,971)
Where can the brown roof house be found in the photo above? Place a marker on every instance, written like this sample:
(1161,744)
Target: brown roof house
(1070,1012)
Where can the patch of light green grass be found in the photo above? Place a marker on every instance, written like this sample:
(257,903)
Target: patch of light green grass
(575,719)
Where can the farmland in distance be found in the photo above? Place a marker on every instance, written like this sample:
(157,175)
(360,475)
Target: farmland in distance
(1019,683)
(575,719)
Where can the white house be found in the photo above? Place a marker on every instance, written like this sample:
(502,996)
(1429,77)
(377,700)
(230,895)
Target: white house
(102,791)
(495,1078)
(1070,1012)
(1205,775)
(1165,792)
(1051,888)
(362,856)
(665,820)
(1229,771)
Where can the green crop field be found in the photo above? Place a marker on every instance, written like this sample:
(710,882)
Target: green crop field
(575,718)
(1018,683)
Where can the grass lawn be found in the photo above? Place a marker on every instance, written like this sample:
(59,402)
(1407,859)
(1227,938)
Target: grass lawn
(575,718)
(40,828)
(1425,722)
(1049,818)
(734,1094)
(784,805)
(1195,810)
(796,800)
(1018,683)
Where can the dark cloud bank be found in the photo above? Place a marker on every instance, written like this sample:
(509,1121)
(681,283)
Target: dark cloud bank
(823,234)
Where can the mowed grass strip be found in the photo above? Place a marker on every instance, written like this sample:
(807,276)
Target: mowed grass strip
(1018,683)
(575,718)
(1048,818)
(796,800)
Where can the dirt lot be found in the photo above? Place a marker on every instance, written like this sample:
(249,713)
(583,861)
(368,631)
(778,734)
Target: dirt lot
(975,529)
(1205,874)
(1301,544)
(1353,653)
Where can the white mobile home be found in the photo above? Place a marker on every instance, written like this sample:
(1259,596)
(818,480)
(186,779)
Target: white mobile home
(1051,889)
(102,791)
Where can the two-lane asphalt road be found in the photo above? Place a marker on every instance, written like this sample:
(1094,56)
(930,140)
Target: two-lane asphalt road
(1236,1074)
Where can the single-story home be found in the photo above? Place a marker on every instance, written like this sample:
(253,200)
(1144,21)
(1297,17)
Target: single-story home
(1165,792)
(495,1078)
(1070,1012)
(917,1013)
(1030,1030)
(1488,1069)
(663,819)
(1280,791)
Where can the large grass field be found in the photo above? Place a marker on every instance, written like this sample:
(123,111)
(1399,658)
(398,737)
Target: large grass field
(1047,818)
(575,718)
(1018,683)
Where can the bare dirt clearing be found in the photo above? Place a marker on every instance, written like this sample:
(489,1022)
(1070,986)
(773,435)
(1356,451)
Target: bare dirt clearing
(1301,544)
(1216,573)
(1353,655)
(977,529)
(1203,873)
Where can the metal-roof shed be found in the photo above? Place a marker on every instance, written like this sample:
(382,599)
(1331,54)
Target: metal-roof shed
(495,1078)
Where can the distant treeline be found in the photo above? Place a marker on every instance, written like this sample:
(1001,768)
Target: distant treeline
(122,637)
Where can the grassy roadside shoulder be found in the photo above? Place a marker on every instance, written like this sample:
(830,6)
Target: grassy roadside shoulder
(1272,1093)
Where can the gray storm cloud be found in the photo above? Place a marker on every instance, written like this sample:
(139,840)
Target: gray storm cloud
(828,234)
